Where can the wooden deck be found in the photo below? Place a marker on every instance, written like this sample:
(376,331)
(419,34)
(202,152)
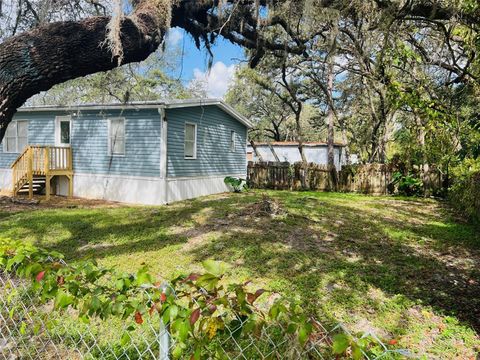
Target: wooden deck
(42,161)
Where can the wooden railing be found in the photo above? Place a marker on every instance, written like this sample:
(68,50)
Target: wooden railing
(45,161)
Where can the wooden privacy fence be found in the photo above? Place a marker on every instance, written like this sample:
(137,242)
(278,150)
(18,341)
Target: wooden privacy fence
(372,179)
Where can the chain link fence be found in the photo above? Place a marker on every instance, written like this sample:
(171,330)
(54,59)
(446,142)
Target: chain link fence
(31,329)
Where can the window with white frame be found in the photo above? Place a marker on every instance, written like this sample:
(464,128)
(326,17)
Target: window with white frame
(16,137)
(116,137)
(233,137)
(190,141)
(62,130)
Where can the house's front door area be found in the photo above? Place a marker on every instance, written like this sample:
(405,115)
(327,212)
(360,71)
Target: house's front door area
(63,128)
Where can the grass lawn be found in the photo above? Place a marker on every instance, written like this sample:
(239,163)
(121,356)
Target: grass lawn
(403,268)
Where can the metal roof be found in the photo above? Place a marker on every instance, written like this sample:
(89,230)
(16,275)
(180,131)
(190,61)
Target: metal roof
(167,104)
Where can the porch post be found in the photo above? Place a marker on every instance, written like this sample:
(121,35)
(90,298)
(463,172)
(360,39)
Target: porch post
(48,189)
(30,173)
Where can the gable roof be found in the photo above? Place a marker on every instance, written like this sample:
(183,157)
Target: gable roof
(167,104)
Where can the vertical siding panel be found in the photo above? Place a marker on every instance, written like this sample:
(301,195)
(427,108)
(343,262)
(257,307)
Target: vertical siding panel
(90,141)
(214,157)
(41,131)
(142,143)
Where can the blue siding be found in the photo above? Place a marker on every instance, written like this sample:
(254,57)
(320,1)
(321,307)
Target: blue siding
(41,131)
(214,157)
(90,141)
(142,146)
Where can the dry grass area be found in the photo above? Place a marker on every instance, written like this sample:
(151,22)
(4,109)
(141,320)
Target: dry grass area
(406,269)
(9,204)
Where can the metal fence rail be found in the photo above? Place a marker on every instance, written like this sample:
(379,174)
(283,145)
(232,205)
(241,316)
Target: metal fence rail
(32,330)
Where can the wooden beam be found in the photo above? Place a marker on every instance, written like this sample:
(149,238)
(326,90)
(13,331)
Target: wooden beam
(30,174)
(48,189)
(70,186)
(255,150)
(273,152)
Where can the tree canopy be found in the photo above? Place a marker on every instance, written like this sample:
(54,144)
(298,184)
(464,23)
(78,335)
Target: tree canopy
(91,36)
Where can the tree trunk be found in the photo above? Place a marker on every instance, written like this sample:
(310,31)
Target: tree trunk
(348,161)
(51,54)
(383,145)
(255,150)
(345,142)
(331,122)
(272,150)
(330,115)
(424,167)
(298,116)
(276,132)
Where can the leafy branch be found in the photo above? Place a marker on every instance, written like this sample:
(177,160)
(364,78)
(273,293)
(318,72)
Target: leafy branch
(200,309)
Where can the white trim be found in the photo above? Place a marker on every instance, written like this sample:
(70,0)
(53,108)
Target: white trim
(144,191)
(110,153)
(195,142)
(188,188)
(172,104)
(6,181)
(58,135)
(222,105)
(17,150)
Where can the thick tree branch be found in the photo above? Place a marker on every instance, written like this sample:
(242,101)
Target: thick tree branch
(36,60)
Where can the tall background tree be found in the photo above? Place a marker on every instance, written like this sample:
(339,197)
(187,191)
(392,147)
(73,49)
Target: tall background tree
(92,36)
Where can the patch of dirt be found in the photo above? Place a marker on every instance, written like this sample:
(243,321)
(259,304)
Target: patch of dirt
(16,204)
(265,207)
(364,326)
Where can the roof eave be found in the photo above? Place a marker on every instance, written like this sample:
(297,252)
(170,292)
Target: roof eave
(145,105)
(220,103)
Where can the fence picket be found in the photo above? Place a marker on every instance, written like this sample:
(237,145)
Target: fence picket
(371,179)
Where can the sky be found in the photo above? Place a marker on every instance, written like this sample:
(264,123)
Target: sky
(194,63)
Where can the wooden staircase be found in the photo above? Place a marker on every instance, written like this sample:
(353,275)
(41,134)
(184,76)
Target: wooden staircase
(35,168)
(39,184)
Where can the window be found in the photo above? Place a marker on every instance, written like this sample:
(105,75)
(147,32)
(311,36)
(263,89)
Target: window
(62,130)
(190,141)
(117,136)
(232,141)
(16,137)
(65,132)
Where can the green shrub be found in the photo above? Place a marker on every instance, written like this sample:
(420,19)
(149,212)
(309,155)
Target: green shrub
(237,184)
(407,185)
(205,314)
(464,194)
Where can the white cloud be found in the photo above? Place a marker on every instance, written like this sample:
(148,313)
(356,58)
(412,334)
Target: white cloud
(217,80)
(174,36)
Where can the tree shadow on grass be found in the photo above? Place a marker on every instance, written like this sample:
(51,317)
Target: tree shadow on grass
(106,232)
(327,245)
(356,250)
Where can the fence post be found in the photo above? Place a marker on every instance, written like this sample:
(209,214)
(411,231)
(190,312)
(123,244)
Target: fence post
(164,342)
(164,335)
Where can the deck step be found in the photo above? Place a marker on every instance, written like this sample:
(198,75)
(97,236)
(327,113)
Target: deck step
(38,184)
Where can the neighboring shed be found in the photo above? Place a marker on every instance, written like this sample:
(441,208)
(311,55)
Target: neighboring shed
(147,153)
(287,151)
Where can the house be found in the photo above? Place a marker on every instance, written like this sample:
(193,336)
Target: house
(287,151)
(144,153)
